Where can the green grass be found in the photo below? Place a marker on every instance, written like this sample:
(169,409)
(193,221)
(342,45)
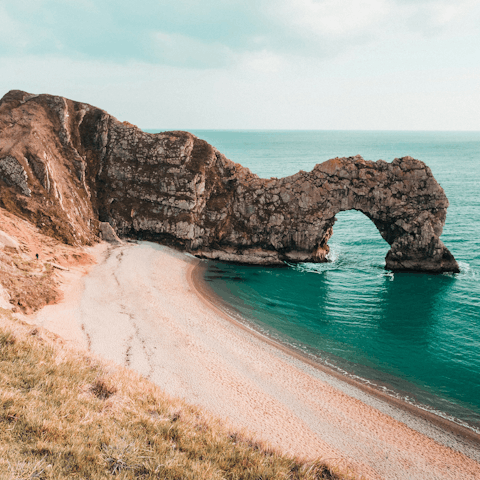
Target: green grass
(65,413)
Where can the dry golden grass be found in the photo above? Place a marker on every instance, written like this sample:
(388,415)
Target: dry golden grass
(65,413)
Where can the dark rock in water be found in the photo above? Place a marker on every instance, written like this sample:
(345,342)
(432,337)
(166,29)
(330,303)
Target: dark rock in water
(67,166)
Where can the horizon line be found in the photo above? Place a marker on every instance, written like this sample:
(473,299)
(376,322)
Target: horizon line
(303,130)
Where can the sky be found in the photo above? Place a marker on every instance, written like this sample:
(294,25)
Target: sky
(252,64)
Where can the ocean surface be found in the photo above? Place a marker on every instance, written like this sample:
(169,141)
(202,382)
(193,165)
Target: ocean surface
(415,336)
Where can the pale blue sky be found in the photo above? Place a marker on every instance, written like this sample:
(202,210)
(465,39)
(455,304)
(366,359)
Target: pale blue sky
(279,64)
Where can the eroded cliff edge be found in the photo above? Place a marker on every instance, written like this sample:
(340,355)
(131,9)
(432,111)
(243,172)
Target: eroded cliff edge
(66,166)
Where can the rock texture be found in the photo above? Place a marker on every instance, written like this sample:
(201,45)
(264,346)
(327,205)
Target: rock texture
(8,241)
(107,233)
(67,166)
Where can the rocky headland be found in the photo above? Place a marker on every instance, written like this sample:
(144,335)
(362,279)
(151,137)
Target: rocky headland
(69,167)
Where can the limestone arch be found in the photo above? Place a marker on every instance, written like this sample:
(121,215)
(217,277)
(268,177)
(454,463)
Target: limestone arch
(402,199)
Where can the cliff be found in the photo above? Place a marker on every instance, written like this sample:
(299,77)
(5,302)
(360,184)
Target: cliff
(66,166)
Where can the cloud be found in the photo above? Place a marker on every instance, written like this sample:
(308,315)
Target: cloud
(178,50)
(436,17)
(337,18)
(262,61)
(11,34)
(123,31)
(329,27)
(215,33)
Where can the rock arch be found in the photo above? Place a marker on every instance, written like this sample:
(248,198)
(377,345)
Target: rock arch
(402,199)
(68,165)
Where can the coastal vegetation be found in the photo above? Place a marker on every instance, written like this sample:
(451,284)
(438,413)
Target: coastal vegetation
(65,413)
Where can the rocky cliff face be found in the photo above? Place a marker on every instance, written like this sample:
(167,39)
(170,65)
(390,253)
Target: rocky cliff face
(67,165)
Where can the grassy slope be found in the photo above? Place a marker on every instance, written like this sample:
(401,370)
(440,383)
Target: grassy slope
(65,413)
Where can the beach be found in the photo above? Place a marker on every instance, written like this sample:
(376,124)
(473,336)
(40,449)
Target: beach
(146,307)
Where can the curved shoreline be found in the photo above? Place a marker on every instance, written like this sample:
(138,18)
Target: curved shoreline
(196,280)
(147,307)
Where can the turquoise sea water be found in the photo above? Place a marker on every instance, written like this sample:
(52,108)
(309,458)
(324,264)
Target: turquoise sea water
(415,335)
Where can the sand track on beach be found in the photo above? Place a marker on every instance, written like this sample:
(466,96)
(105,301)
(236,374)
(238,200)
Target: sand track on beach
(139,307)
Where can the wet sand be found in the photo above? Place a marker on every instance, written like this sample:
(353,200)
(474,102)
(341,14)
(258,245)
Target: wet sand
(148,308)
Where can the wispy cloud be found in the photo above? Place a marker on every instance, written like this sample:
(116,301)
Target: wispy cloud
(214,33)
(330,18)
(437,17)
(178,49)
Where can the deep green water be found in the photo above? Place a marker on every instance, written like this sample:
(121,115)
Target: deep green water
(416,335)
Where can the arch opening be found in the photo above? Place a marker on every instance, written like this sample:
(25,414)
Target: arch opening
(357,240)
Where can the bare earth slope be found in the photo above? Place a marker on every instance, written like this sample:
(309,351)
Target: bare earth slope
(27,283)
(67,165)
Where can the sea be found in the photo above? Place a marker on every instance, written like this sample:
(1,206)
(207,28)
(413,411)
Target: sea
(414,336)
